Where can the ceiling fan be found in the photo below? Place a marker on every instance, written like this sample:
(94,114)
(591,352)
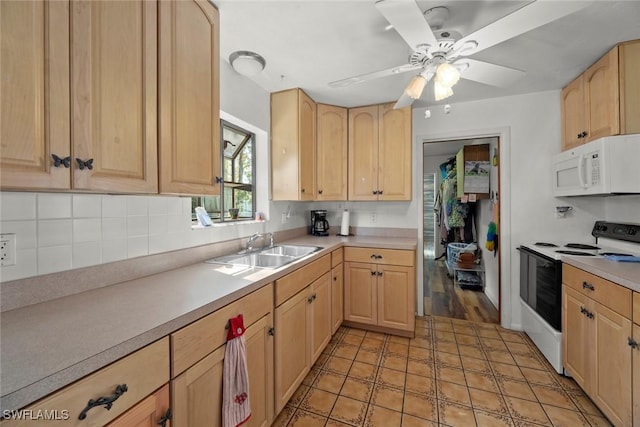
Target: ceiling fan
(444,55)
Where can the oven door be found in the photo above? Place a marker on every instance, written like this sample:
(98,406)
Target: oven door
(541,285)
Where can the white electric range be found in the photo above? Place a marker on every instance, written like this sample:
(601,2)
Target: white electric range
(541,279)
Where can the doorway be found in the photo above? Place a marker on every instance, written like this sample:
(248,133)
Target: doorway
(466,289)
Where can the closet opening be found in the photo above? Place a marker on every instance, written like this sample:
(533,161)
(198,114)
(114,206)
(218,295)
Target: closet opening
(461,224)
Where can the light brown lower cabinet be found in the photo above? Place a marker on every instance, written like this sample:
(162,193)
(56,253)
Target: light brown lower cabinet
(197,392)
(379,289)
(636,372)
(151,412)
(337,297)
(303,329)
(597,348)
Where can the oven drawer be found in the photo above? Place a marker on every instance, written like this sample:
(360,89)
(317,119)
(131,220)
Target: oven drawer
(609,294)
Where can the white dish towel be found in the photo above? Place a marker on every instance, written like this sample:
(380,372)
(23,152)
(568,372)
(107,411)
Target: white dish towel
(236,408)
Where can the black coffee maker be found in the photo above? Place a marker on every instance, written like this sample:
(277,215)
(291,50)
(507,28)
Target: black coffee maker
(319,223)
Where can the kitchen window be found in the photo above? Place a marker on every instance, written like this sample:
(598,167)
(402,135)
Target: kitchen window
(238,171)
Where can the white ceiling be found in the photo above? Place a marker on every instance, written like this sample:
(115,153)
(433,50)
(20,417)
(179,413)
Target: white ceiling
(309,43)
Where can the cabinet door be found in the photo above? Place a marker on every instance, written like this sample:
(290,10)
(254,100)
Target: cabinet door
(360,293)
(612,385)
(307,141)
(337,297)
(260,366)
(363,153)
(574,119)
(636,374)
(146,413)
(629,63)
(196,394)
(34,94)
(320,315)
(332,152)
(577,342)
(292,346)
(396,297)
(602,96)
(394,153)
(115,95)
(189,97)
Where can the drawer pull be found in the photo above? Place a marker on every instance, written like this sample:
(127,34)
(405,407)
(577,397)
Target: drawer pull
(167,416)
(633,343)
(587,285)
(107,402)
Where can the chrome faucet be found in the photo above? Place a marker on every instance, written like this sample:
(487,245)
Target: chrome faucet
(257,236)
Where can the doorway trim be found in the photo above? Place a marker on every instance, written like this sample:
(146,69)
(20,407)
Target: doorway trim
(504,170)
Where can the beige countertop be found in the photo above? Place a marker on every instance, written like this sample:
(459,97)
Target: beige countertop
(49,345)
(626,274)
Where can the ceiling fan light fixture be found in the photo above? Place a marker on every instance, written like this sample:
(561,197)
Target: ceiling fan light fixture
(440,91)
(416,86)
(247,63)
(447,75)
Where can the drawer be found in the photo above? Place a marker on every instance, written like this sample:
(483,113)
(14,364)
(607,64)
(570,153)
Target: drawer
(609,294)
(380,256)
(193,342)
(294,282)
(143,372)
(337,257)
(636,308)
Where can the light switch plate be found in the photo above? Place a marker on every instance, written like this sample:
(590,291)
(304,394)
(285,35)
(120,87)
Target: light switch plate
(7,249)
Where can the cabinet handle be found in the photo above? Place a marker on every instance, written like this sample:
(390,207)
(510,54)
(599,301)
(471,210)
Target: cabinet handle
(586,312)
(310,299)
(378,256)
(219,180)
(272,331)
(57,161)
(313,297)
(379,273)
(302,190)
(374,192)
(373,273)
(587,285)
(373,256)
(167,416)
(319,191)
(633,343)
(107,402)
(584,134)
(335,278)
(579,135)
(84,164)
(380,192)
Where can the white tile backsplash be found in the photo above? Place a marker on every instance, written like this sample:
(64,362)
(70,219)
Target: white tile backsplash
(158,205)
(137,226)
(52,206)
(17,206)
(174,205)
(114,250)
(86,254)
(54,232)
(157,224)
(114,228)
(25,231)
(87,230)
(137,246)
(54,258)
(87,206)
(114,206)
(137,206)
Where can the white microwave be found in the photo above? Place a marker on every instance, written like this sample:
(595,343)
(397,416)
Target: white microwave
(608,165)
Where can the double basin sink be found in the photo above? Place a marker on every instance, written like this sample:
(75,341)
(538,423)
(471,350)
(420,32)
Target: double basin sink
(269,257)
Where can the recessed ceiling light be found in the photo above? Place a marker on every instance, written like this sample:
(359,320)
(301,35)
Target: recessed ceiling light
(247,63)
(388,27)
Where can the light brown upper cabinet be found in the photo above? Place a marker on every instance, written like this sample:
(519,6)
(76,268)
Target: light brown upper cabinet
(189,97)
(603,100)
(103,138)
(380,153)
(332,152)
(34,94)
(293,146)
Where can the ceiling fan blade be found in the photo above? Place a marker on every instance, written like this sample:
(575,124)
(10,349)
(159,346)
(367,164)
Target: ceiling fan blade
(525,19)
(408,20)
(370,76)
(403,101)
(490,74)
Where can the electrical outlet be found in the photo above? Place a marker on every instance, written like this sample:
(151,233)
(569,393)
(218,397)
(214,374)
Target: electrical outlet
(7,249)
(373,217)
(285,218)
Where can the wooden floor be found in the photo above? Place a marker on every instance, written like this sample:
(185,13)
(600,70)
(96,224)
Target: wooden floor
(443,298)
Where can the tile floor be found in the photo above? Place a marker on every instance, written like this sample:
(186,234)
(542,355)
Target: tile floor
(453,373)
